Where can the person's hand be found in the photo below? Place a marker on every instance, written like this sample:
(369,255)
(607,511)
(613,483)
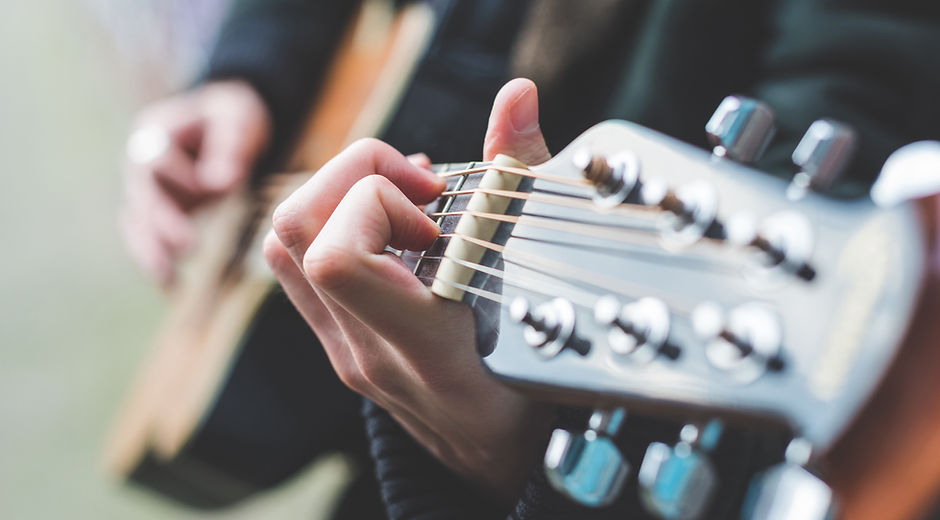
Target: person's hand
(183,152)
(387,336)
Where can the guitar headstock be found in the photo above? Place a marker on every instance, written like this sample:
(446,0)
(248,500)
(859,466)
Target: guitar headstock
(639,271)
(755,305)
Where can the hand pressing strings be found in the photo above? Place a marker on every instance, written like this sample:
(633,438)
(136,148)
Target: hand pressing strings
(387,336)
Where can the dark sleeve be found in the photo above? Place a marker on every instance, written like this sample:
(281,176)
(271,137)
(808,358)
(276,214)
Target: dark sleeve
(413,484)
(281,47)
(870,63)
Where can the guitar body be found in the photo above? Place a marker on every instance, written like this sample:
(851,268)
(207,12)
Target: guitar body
(230,401)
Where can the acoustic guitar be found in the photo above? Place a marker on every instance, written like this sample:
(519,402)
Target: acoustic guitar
(224,406)
(638,275)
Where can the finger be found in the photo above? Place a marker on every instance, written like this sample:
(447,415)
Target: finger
(171,223)
(311,308)
(145,248)
(357,354)
(231,143)
(176,169)
(513,127)
(162,212)
(376,288)
(420,160)
(298,220)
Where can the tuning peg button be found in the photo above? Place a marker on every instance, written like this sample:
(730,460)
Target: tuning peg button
(614,178)
(548,327)
(789,491)
(588,468)
(678,482)
(639,330)
(740,129)
(911,172)
(822,155)
(745,343)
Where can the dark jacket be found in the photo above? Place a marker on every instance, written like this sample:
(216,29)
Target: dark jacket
(665,64)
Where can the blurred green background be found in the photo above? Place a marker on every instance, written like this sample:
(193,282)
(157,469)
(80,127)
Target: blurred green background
(76,314)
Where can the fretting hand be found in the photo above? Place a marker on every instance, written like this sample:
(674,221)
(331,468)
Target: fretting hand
(387,336)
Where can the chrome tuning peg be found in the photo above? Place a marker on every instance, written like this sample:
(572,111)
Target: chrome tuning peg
(740,129)
(588,468)
(788,491)
(614,178)
(911,172)
(678,482)
(822,155)
(548,327)
(638,330)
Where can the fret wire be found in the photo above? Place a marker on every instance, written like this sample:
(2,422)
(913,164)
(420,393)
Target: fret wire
(440,221)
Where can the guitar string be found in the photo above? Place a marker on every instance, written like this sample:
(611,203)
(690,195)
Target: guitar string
(634,236)
(627,210)
(544,266)
(523,172)
(577,296)
(615,232)
(530,283)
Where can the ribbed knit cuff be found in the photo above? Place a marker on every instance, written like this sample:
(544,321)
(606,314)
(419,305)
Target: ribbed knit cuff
(414,485)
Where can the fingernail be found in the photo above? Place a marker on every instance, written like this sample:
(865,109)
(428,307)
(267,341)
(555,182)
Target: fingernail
(524,112)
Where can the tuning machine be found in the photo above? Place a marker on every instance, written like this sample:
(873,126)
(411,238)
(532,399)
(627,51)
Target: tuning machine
(785,241)
(677,482)
(740,129)
(789,491)
(615,178)
(690,211)
(745,343)
(822,155)
(588,468)
(911,172)
(638,330)
(549,327)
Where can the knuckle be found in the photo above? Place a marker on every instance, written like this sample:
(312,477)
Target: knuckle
(275,254)
(288,224)
(350,376)
(367,145)
(371,185)
(378,375)
(329,267)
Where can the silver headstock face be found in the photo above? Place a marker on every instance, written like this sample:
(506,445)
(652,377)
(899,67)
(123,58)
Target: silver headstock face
(683,282)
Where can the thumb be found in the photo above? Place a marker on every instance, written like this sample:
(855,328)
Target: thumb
(514,124)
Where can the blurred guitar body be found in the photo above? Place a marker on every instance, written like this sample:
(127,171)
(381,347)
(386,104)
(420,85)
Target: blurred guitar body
(222,406)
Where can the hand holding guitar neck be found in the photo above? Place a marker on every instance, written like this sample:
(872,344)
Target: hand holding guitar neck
(186,151)
(388,337)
